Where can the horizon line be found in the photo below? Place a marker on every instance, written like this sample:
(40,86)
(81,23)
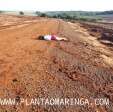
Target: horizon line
(54,10)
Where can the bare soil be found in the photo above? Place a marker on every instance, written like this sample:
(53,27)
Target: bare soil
(32,68)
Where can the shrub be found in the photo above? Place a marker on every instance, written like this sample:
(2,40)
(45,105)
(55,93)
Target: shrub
(21,13)
(37,13)
(1,11)
(43,15)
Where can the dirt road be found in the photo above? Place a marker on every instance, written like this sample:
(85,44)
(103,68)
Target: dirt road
(31,68)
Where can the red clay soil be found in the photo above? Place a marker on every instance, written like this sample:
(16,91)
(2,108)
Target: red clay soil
(32,68)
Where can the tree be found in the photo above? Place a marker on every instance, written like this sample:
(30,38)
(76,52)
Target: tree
(1,11)
(21,13)
(55,16)
(37,13)
(43,15)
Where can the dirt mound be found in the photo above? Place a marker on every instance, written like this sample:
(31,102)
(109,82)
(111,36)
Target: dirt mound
(104,32)
(32,68)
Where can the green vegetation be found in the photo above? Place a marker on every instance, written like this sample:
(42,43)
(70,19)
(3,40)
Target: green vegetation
(1,12)
(38,13)
(43,15)
(105,13)
(67,16)
(79,15)
(70,15)
(21,13)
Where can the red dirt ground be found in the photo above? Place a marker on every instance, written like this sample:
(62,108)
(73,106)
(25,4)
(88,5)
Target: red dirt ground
(32,68)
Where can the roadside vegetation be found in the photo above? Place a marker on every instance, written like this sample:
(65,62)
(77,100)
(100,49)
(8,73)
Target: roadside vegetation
(79,15)
(69,15)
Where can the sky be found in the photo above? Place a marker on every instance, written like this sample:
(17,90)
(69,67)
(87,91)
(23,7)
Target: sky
(56,5)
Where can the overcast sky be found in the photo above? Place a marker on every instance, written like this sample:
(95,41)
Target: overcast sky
(52,5)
